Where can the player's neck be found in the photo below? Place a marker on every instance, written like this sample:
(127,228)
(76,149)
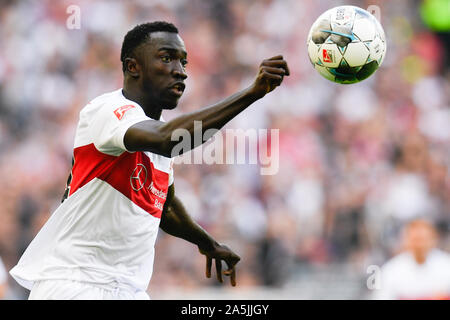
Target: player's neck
(151,111)
(420,257)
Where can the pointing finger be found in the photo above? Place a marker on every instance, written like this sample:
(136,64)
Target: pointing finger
(208,267)
(219,270)
(233,277)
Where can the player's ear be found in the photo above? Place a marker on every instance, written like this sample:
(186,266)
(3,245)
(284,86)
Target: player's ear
(132,67)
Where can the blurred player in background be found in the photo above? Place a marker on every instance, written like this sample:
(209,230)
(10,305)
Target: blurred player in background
(99,243)
(422,271)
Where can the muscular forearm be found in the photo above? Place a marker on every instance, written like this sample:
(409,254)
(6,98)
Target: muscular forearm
(177,222)
(146,136)
(215,116)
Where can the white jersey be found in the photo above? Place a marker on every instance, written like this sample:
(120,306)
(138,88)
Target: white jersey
(403,278)
(105,231)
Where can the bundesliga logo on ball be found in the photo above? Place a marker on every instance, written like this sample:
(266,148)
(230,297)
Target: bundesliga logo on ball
(346,44)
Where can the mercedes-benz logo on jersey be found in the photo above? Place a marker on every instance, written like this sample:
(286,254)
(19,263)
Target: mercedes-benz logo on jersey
(139,177)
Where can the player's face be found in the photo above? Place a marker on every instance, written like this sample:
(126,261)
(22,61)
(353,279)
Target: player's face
(164,61)
(420,239)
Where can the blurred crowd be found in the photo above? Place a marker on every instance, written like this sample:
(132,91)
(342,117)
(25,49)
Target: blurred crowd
(357,162)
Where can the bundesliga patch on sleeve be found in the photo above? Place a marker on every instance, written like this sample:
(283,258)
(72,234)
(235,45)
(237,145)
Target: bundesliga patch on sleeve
(120,112)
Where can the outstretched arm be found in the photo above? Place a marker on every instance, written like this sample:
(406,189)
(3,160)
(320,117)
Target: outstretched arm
(156,136)
(177,222)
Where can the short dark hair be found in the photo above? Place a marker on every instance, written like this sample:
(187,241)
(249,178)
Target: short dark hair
(139,34)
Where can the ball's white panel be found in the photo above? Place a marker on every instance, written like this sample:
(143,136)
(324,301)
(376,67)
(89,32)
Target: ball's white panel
(318,32)
(383,55)
(377,50)
(364,29)
(379,30)
(383,40)
(313,51)
(330,55)
(342,36)
(342,16)
(324,72)
(356,54)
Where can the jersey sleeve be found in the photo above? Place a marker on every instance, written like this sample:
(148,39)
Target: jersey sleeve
(111,122)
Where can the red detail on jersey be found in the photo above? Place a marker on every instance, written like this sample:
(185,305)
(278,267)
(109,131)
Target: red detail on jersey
(326,56)
(120,112)
(132,174)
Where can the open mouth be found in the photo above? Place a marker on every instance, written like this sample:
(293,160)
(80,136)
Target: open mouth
(177,88)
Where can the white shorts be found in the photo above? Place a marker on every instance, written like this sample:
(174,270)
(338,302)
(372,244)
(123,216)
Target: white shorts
(76,290)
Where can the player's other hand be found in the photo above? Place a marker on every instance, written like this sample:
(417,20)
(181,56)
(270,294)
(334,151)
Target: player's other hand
(221,252)
(270,75)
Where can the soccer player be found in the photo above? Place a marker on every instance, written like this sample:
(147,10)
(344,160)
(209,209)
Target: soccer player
(421,271)
(99,243)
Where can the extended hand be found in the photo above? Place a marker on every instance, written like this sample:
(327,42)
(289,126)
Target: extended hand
(219,253)
(270,75)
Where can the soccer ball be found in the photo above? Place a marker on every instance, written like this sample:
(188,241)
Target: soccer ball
(346,44)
